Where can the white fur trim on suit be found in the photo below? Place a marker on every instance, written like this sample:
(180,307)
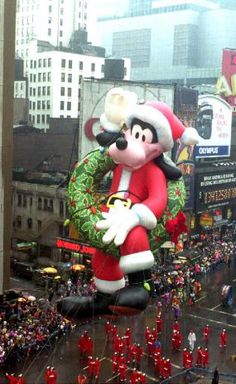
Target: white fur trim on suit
(190,136)
(136,261)
(109,125)
(154,117)
(146,217)
(106,286)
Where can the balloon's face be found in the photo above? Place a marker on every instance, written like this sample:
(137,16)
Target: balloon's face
(138,147)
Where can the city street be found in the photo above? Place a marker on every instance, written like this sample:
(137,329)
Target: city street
(64,354)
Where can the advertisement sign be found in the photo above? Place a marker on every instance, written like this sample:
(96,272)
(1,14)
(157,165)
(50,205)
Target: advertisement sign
(226,84)
(214,127)
(184,161)
(215,190)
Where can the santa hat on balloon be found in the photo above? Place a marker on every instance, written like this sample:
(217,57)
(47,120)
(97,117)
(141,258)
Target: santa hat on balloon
(167,125)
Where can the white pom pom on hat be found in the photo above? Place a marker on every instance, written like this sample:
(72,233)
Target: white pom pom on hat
(117,102)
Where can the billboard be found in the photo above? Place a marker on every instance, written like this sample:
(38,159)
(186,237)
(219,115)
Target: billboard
(215,189)
(213,124)
(93,93)
(226,84)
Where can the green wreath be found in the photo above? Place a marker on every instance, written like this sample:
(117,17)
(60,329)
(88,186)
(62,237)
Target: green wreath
(84,204)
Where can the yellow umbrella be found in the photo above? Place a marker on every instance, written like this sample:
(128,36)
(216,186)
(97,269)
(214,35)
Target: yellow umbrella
(21,299)
(50,270)
(77,267)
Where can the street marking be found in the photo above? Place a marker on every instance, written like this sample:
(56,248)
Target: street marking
(14,279)
(234,280)
(217,306)
(201,298)
(176,366)
(213,321)
(223,312)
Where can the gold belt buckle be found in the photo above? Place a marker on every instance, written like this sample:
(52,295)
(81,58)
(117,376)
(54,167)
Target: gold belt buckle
(111,201)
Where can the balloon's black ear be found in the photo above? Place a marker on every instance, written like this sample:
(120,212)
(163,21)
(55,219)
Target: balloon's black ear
(105,138)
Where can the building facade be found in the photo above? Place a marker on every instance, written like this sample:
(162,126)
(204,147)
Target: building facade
(47,20)
(54,84)
(177,40)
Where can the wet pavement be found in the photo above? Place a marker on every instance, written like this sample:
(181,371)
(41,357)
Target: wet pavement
(64,354)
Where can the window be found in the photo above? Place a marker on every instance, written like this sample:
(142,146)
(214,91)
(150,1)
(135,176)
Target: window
(51,205)
(24,201)
(63,63)
(61,22)
(38,104)
(49,8)
(39,225)
(80,79)
(81,65)
(62,91)
(69,77)
(61,208)
(45,204)
(62,105)
(38,119)
(29,223)
(31,201)
(18,221)
(49,76)
(63,77)
(44,63)
(48,91)
(43,104)
(39,91)
(48,104)
(40,63)
(49,32)
(70,64)
(61,33)
(92,67)
(49,62)
(19,200)
(69,91)
(69,106)
(43,119)
(44,76)
(44,91)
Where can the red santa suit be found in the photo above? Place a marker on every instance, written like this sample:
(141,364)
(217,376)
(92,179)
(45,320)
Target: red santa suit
(199,357)
(139,353)
(205,358)
(178,340)
(184,358)
(189,359)
(147,190)
(52,377)
(223,338)
(134,376)
(81,379)
(206,333)
(176,326)
(128,336)
(159,322)
(115,361)
(96,367)
(157,362)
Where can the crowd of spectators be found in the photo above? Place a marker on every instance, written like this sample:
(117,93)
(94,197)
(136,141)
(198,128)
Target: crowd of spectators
(26,326)
(183,279)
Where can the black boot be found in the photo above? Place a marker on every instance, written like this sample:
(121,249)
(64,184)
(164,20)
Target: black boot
(135,297)
(80,307)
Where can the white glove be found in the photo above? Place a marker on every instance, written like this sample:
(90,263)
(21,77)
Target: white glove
(118,221)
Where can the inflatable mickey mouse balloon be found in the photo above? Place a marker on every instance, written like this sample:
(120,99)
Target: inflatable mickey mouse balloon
(144,203)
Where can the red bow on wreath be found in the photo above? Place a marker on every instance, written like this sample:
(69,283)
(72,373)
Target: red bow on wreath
(176,226)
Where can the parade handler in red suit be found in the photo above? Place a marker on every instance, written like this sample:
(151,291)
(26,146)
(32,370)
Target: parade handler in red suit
(137,199)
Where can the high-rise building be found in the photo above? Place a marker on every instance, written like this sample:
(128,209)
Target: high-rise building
(176,40)
(52,21)
(139,6)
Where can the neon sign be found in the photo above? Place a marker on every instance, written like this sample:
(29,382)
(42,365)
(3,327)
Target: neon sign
(75,247)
